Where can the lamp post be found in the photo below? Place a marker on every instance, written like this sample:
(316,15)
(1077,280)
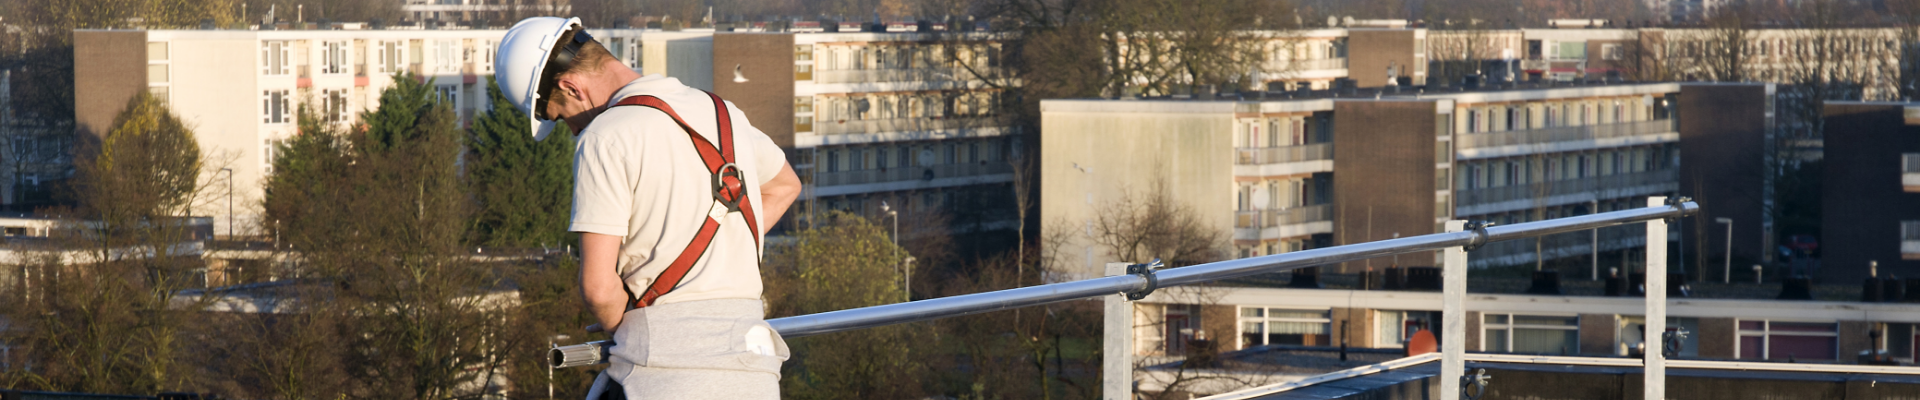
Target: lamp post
(229,202)
(1727,275)
(1594,208)
(895,215)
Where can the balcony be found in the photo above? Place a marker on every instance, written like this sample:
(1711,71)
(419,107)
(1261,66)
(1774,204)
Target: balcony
(1314,65)
(900,75)
(1564,134)
(1283,154)
(1282,223)
(925,174)
(1609,186)
(872,126)
(1910,249)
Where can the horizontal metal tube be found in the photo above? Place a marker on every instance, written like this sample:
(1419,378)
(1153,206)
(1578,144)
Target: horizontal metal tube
(931,309)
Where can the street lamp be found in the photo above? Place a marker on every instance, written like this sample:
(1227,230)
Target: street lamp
(1594,208)
(1727,276)
(896,245)
(229,202)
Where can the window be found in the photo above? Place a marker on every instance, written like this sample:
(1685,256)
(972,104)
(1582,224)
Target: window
(334,105)
(449,94)
(486,56)
(803,114)
(333,58)
(389,56)
(446,56)
(1910,163)
(274,106)
(1630,336)
(1910,240)
(276,58)
(1270,326)
(1540,334)
(1611,52)
(267,155)
(1775,340)
(1393,328)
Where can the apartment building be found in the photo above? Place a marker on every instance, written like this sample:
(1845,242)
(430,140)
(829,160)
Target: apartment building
(1294,174)
(910,118)
(240,89)
(913,120)
(1871,192)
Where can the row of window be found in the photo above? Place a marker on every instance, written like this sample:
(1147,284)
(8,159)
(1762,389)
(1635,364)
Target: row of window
(1557,114)
(337,57)
(334,105)
(1278,193)
(910,155)
(1281,131)
(884,106)
(1481,174)
(896,56)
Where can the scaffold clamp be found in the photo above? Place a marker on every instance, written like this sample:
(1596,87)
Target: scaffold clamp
(1145,271)
(1480,238)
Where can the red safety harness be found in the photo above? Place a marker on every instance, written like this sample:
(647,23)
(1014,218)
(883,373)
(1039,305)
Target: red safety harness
(729,194)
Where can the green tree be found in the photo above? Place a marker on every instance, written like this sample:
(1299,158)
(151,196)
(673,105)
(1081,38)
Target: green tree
(524,188)
(844,262)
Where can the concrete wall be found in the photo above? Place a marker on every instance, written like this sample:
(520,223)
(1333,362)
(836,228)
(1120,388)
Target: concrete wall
(1722,335)
(225,119)
(766,60)
(687,56)
(1724,135)
(1862,201)
(1355,325)
(1383,182)
(1373,50)
(1598,334)
(109,67)
(1091,159)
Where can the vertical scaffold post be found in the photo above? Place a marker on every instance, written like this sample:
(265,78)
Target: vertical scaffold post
(1116,348)
(1656,364)
(1453,312)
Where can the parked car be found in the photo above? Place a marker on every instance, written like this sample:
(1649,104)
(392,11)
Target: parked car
(1803,244)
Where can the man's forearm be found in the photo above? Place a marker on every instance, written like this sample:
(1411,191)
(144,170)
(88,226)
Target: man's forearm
(778,194)
(600,284)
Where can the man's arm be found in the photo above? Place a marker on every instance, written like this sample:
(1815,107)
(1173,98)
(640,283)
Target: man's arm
(600,283)
(778,194)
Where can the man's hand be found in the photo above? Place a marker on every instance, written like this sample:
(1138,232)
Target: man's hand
(600,284)
(778,194)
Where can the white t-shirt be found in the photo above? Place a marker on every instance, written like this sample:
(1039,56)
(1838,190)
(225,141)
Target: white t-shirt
(637,176)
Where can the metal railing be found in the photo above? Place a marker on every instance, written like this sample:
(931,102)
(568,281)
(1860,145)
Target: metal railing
(1283,154)
(1565,133)
(1278,217)
(898,174)
(1607,186)
(1146,281)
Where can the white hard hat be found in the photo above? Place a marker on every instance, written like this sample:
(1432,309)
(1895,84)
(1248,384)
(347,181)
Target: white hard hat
(528,50)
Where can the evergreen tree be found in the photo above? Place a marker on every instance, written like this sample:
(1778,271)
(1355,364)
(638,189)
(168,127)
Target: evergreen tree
(524,188)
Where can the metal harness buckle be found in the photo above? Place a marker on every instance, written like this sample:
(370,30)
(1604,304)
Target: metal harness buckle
(728,186)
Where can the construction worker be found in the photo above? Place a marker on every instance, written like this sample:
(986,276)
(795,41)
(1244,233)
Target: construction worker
(673,193)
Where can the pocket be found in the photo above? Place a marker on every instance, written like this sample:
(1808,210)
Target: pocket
(750,359)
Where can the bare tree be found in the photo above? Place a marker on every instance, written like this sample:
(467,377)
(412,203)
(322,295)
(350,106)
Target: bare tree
(1152,224)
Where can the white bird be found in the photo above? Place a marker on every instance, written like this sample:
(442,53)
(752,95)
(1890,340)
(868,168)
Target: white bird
(737,76)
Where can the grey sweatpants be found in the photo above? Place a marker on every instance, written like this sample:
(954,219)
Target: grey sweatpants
(693,350)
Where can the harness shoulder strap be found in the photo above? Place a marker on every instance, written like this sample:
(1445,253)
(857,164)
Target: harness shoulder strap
(729,193)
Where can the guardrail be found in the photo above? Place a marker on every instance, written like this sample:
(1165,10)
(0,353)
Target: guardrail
(870,126)
(1611,186)
(1565,133)
(898,174)
(1274,218)
(1143,280)
(1283,154)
